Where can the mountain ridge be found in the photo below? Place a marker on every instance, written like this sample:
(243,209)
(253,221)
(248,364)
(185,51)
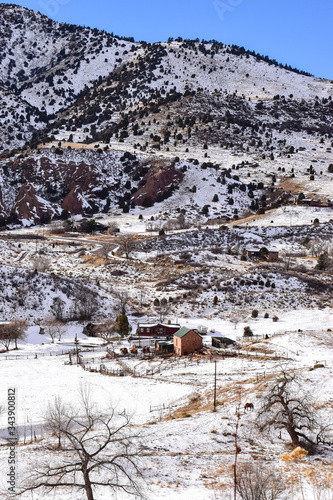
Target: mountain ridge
(182,102)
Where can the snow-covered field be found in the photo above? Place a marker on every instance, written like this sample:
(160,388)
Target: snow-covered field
(289,216)
(192,447)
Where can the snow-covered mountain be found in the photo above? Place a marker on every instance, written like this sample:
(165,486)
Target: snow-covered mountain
(165,108)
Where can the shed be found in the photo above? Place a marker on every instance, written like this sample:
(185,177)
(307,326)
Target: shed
(220,342)
(164,346)
(253,252)
(186,341)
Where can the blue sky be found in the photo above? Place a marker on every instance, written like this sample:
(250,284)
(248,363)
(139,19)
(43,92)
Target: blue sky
(296,32)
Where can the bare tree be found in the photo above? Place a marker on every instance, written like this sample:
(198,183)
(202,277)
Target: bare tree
(162,309)
(286,406)
(287,260)
(12,332)
(127,244)
(107,330)
(18,330)
(142,294)
(316,247)
(106,248)
(235,319)
(93,449)
(85,304)
(182,224)
(58,307)
(53,328)
(256,482)
(55,418)
(123,298)
(5,336)
(61,330)
(57,227)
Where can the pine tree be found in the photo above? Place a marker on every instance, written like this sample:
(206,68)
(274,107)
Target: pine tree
(122,324)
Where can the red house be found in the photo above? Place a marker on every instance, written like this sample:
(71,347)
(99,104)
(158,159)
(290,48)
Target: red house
(157,329)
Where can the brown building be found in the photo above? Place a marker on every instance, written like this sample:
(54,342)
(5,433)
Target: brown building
(253,253)
(273,255)
(270,255)
(186,341)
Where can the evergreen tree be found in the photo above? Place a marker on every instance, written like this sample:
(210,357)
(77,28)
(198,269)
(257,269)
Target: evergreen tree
(122,325)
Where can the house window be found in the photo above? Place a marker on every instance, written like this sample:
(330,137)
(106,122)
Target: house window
(148,330)
(142,330)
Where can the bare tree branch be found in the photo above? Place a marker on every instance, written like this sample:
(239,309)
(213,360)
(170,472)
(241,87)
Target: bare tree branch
(256,482)
(127,244)
(286,406)
(93,449)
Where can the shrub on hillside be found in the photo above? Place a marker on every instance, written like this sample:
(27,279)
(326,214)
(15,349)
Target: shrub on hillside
(248,332)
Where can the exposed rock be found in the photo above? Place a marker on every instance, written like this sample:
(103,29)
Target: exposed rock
(66,174)
(31,208)
(75,202)
(158,183)
(60,180)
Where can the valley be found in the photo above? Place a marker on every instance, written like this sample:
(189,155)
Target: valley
(162,185)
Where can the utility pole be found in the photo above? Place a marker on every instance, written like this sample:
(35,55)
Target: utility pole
(76,342)
(215,388)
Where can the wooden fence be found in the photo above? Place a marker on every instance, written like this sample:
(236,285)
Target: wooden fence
(15,357)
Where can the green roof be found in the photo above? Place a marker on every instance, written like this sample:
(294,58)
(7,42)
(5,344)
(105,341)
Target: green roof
(225,340)
(182,332)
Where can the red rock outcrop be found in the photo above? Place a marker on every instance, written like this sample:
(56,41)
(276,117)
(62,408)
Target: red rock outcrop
(74,202)
(68,174)
(74,180)
(30,207)
(157,182)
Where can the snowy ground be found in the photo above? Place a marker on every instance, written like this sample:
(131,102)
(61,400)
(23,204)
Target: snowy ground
(193,447)
(289,216)
(171,400)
